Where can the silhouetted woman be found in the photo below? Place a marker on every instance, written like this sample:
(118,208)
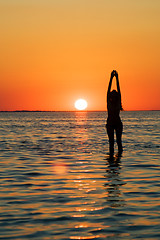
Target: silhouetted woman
(113,121)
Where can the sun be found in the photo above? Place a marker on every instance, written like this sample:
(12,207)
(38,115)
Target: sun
(81,104)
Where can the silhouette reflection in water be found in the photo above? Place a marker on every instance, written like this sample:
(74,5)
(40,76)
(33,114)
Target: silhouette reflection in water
(114,181)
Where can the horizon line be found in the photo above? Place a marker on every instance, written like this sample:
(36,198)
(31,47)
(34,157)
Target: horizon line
(74,110)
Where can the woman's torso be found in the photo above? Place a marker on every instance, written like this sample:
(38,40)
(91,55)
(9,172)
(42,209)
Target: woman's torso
(113,110)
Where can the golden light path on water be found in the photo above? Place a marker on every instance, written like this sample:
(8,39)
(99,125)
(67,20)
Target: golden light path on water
(58,181)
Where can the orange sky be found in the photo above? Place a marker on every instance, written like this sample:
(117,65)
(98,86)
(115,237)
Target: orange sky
(56,51)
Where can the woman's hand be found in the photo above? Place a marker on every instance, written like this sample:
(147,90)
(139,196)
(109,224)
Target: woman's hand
(112,73)
(116,74)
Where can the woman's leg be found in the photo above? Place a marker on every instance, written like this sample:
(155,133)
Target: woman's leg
(119,130)
(110,132)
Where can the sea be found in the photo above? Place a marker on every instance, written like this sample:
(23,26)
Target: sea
(57,180)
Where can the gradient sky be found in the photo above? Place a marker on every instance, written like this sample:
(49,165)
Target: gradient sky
(56,51)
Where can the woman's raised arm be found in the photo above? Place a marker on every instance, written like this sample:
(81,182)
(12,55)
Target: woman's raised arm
(117,81)
(110,82)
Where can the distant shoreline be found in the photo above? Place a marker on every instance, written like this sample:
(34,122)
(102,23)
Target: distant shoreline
(75,111)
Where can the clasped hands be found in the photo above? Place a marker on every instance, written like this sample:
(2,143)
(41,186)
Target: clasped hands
(114,73)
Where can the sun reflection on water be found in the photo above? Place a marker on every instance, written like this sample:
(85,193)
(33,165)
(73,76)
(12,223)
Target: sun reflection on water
(87,237)
(60,168)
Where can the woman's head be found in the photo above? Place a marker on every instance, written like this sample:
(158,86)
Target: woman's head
(113,96)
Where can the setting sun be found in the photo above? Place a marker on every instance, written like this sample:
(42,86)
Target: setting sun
(81,104)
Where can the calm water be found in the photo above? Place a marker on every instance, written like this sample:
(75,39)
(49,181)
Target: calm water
(57,181)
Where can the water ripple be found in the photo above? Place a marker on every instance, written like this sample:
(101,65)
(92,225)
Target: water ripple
(57,181)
